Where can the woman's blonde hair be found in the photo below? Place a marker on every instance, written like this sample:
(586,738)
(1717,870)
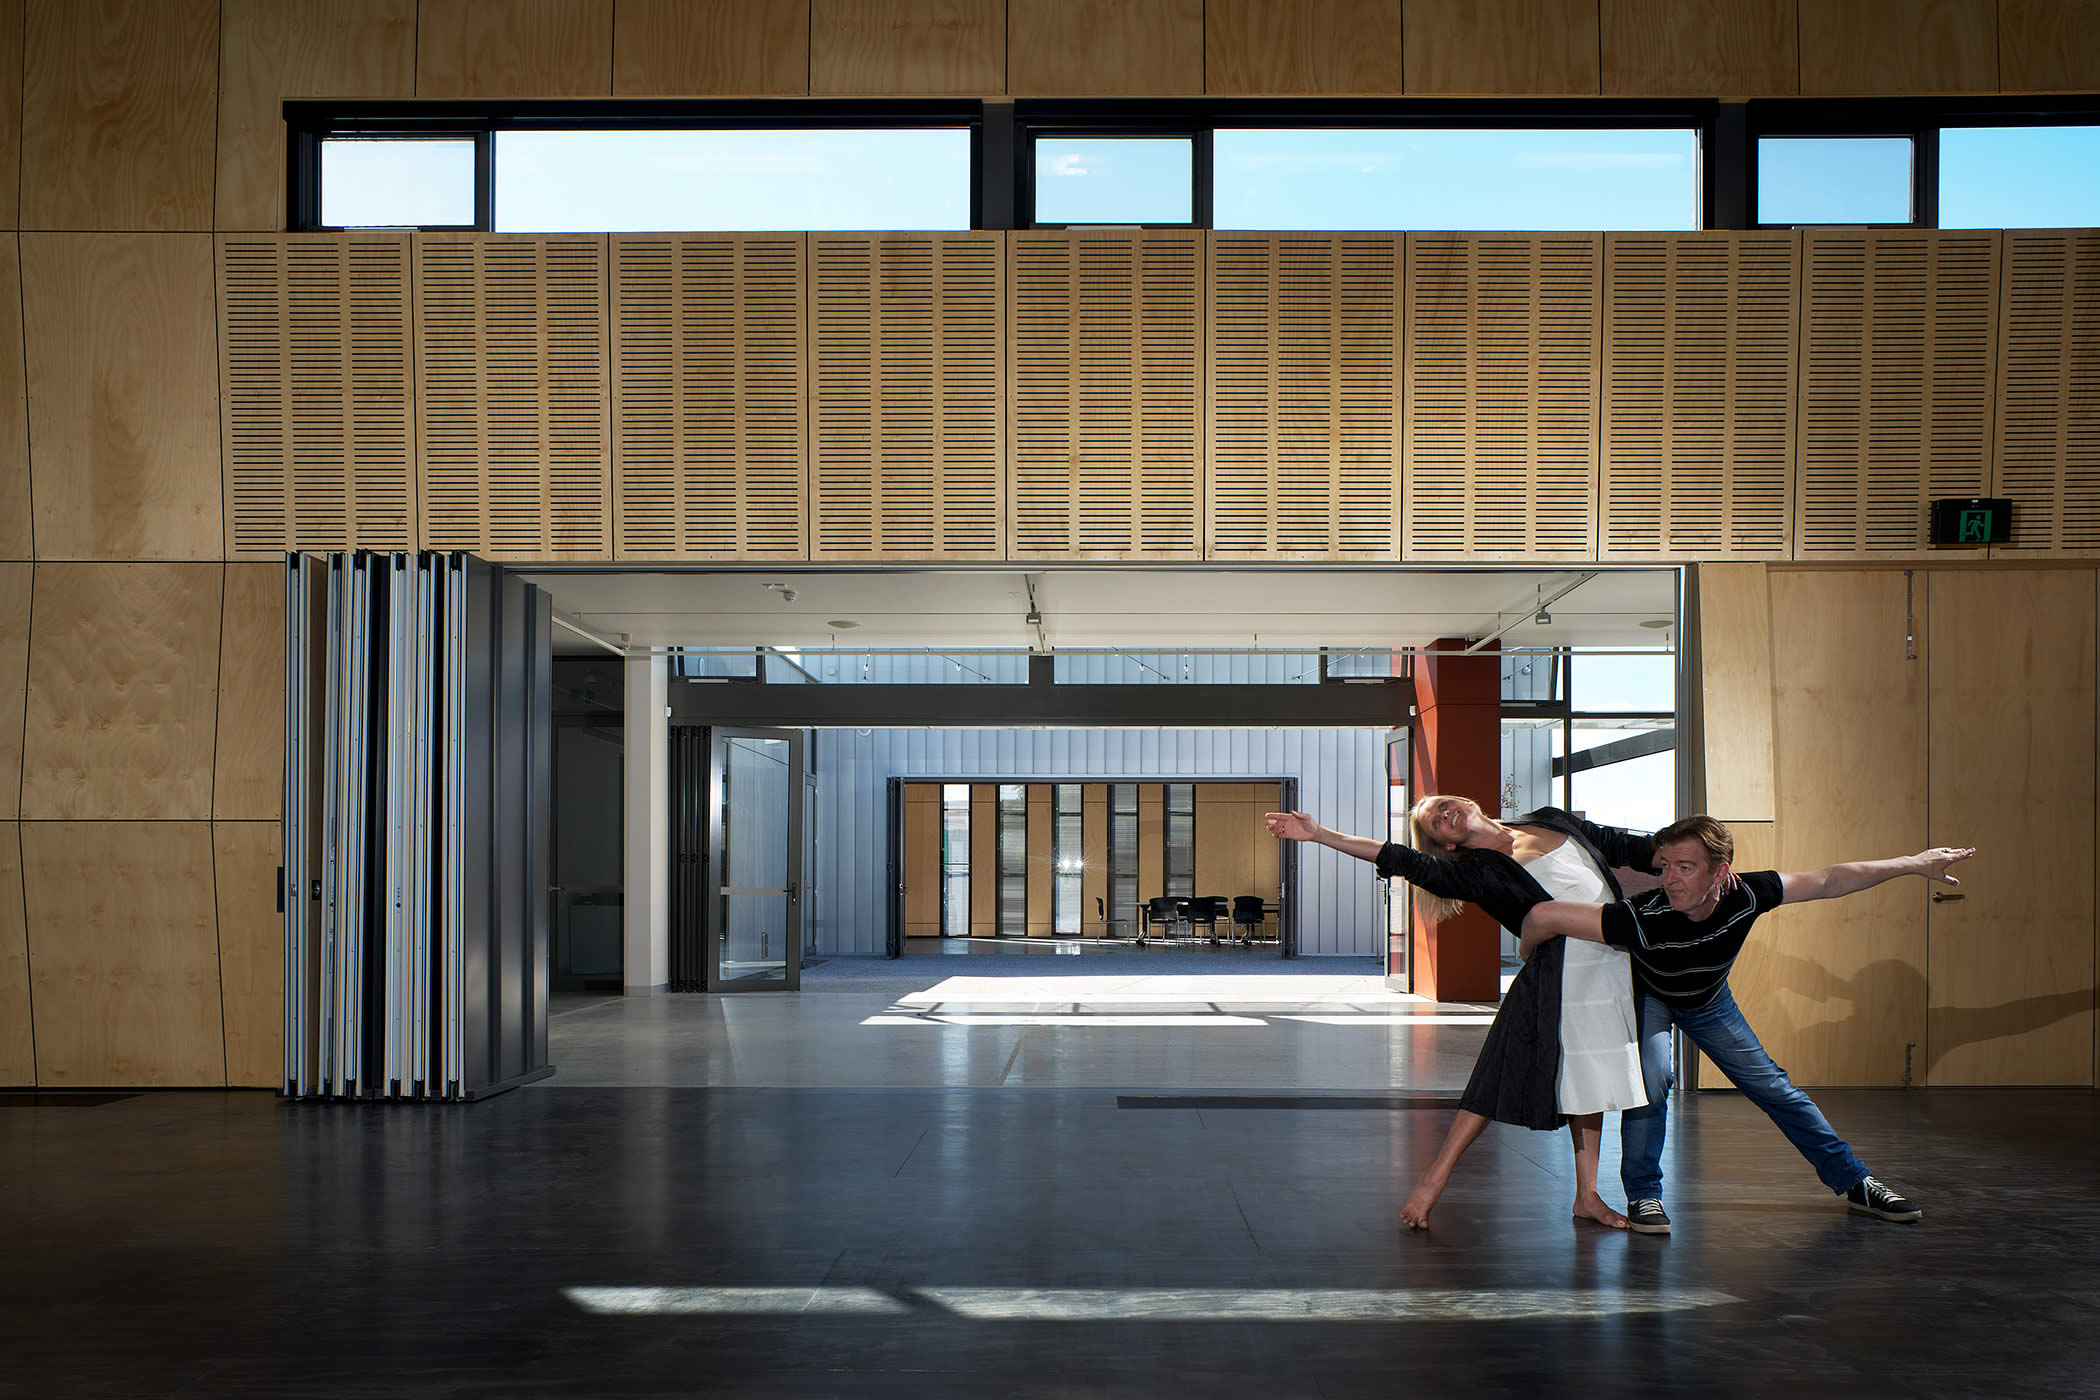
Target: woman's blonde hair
(1418,819)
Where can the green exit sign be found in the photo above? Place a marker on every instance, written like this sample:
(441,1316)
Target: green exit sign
(1974,521)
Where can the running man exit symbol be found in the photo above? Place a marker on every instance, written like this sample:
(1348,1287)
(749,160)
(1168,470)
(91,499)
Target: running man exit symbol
(1975,527)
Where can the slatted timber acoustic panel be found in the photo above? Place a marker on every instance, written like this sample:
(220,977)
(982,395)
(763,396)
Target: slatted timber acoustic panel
(1308,46)
(17,1046)
(1303,392)
(1852,47)
(272,50)
(1897,376)
(1698,395)
(1105,405)
(123,689)
(907,46)
(667,48)
(707,397)
(16,512)
(118,98)
(907,385)
(511,390)
(2048,424)
(15,585)
(245,857)
(1528,47)
(514,48)
(119,336)
(1501,395)
(316,393)
(113,1005)
(248,758)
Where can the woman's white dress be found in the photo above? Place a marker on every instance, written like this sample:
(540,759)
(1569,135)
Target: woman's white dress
(1600,1061)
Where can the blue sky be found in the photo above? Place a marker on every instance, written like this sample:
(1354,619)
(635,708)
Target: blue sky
(1315,178)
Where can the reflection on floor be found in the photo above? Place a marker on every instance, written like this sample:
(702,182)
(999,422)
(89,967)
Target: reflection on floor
(1061,1242)
(1226,953)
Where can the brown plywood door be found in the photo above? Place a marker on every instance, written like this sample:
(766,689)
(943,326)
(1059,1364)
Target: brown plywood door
(1042,870)
(984,860)
(1094,912)
(1836,988)
(2012,697)
(922,860)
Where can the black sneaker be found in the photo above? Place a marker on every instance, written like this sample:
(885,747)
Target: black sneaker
(1870,1197)
(1645,1217)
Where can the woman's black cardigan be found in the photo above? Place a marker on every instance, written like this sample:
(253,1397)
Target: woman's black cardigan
(1517,1077)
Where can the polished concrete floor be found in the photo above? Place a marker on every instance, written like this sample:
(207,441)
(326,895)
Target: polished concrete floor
(1170,1203)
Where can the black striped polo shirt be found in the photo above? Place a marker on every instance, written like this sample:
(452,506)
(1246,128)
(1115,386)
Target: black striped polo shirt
(1680,961)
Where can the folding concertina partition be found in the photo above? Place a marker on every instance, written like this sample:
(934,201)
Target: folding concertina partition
(418,763)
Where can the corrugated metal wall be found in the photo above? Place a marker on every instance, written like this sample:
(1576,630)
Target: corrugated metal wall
(1340,905)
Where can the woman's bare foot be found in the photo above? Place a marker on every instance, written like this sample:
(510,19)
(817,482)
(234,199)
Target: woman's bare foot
(1415,1211)
(1590,1206)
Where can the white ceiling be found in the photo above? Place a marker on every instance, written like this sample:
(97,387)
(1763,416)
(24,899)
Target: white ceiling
(1266,607)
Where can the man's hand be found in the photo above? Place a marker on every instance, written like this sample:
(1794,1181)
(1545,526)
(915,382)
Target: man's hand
(1933,864)
(1292,826)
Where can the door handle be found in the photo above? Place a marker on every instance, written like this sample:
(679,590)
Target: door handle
(1942,897)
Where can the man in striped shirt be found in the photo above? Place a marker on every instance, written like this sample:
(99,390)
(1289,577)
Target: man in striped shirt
(1683,938)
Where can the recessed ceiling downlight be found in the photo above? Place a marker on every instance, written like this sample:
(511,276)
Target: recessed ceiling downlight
(1655,624)
(842,624)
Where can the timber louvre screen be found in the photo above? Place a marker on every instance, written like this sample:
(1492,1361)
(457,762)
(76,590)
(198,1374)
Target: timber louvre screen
(415,964)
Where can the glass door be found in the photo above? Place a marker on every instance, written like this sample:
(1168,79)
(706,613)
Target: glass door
(755,820)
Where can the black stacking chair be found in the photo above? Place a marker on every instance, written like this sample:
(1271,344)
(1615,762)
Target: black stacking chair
(1250,912)
(1206,910)
(1161,914)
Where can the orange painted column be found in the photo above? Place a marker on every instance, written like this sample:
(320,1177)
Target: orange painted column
(1457,751)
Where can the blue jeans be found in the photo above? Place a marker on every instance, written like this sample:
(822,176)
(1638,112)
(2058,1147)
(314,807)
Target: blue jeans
(1719,1029)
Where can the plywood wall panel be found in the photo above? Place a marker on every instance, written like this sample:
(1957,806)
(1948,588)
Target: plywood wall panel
(10,113)
(679,48)
(17,538)
(17,1043)
(245,857)
(1735,685)
(709,445)
(984,860)
(118,99)
(2012,697)
(120,343)
(1898,373)
(1501,396)
(1518,47)
(1105,408)
(15,586)
(248,782)
(317,412)
(1304,360)
(123,682)
(922,860)
(907,389)
(1699,48)
(1850,47)
(907,46)
(1700,337)
(272,50)
(2047,449)
(1308,46)
(511,395)
(123,954)
(2048,45)
(1104,48)
(514,48)
(1836,988)
(1042,862)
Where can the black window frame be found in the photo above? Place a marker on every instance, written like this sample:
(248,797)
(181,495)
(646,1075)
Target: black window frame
(311,122)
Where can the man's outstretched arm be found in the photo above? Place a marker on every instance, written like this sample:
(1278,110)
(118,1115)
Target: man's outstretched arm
(1837,881)
(1557,917)
(1299,826)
